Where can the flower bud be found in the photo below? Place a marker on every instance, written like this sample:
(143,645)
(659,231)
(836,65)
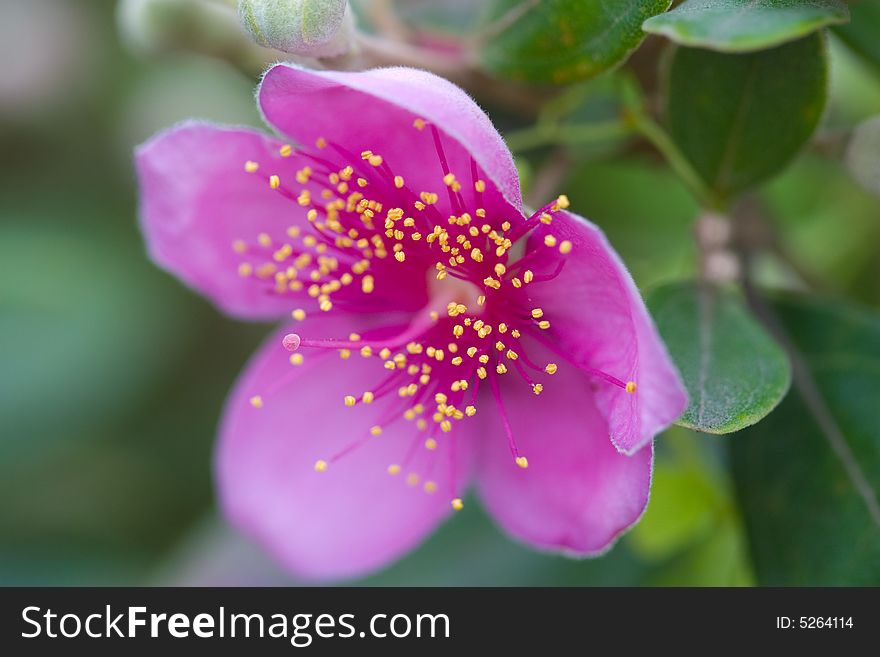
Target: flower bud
(317,28)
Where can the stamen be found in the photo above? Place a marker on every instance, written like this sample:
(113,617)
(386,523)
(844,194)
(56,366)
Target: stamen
(520,460)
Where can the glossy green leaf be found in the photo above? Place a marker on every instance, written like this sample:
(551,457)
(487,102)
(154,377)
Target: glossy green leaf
(563,41)
(740,119)
(808,489)
(863,155)
(745,25)
(734,372)
(861,33)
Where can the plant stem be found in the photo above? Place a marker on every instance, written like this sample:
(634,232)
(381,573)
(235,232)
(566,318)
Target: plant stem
(660,139)
(558,134)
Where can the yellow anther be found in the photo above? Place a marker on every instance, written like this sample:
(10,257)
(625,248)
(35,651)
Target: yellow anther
(393,469)
(480,186)
(562,202)
(537,313)
(296,359)
(529,276)
(470,411)
(457,504)
(565,247)
(349,400)
(366,351)
(320,465)
(264,240)
(345,354)
(522,462)
(457,360)
(543,324)
(430,443)
(274,182)
(630,387)
(251,167)
(430,487)
(440,398)
(471,351)
(446,426)
(326,305)
(367,284)
(399,182)
(244,269)
(400,256)
(499,345)
(500,269)
(412,479)
(546,219)
(286,150)
(484,359)
(512,355)
(419,124)
(551,368)
(256,401)
(376,431)
(501,368)
(481,300)
(549,240)
(320,142)
(537,388)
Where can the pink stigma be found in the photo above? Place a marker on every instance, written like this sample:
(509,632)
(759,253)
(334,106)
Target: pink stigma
(291,342)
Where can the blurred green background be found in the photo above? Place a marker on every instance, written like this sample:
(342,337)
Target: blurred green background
(112,375)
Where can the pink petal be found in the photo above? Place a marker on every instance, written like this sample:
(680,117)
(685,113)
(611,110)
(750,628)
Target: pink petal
(374,110)
(197,199)
(598,320)
(578,493)
(354,517)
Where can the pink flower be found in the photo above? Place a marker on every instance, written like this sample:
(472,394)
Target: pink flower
(440,335)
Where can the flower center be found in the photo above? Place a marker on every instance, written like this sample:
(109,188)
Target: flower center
(368,233)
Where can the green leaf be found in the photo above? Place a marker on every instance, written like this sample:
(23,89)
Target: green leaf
(563,41)
(735,374)
(860,34)
(740,119)
(745,25)
(808,489)
(863,155)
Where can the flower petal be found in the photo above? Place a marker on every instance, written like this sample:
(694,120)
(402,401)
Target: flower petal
(197,200)
(598,320)
(578,493)
(375,110)
(355,516)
